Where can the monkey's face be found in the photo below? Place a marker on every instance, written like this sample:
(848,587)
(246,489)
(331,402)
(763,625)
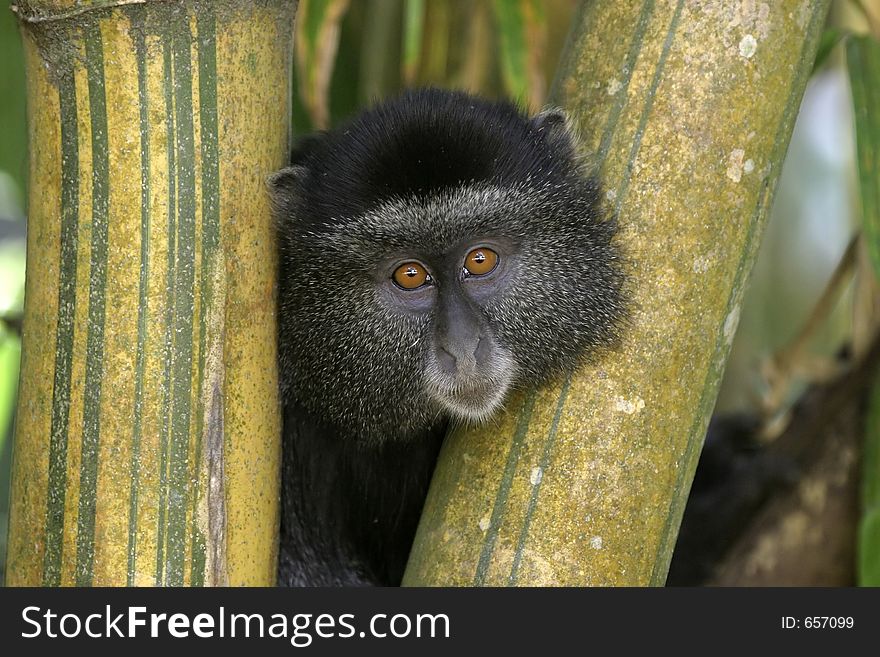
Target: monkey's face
(465,370)
(436,251)
(436,306)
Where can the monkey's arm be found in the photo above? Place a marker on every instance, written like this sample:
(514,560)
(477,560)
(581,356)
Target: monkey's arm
(349,511)
(315,549)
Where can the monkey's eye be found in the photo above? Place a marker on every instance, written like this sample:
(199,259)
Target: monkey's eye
(411,275)
(481,261)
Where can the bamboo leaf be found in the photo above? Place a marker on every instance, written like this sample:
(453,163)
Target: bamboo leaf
(863,64)
(869,548)
(13,146)
(869,525)
(11,297)
(317,43)
(478,49)
(12,275)
(522,28)
(871,458)
(10,354)
(870,16)
(413,33)
(511,29)
(438,18)
(379,61)
(830,38)
(536,47)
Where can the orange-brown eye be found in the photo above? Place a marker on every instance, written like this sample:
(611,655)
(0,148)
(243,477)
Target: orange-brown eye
(411,275)
(480,261)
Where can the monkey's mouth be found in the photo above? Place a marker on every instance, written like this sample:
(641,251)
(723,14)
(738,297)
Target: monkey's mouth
(475,405)
(475,397)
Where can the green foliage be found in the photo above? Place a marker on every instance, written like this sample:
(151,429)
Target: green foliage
(11,304)
(521,28)
(830,38)
(317,42)
(869,547)
(351,53)
(863,63)
(380,55)
(413,34)
(10,355)
(13,179)
(13,146)
(869,527)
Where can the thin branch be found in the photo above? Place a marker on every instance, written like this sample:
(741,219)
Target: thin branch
(781,369)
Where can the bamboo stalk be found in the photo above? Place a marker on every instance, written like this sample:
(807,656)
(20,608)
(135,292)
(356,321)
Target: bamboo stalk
(147,437)
(687,108)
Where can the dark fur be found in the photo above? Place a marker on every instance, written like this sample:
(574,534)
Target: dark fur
(418,175)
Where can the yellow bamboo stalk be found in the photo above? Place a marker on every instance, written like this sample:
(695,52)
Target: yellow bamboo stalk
(147,431)
(687,108)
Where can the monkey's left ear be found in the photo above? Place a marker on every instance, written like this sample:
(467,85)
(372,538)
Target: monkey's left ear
(284,189)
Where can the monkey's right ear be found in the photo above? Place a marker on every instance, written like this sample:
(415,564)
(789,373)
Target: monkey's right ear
(551,118)
(556,125)
(285,188)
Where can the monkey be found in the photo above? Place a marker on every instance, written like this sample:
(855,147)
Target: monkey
(436,252)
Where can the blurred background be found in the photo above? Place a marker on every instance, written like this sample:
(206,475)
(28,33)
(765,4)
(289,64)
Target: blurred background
(349,53)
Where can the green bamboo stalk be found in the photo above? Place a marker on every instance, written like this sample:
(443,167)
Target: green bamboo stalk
(379,59)
(318,25)
(687,109)
(413,31)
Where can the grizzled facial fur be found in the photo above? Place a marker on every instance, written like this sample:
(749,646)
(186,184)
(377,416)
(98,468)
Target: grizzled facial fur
(435,252)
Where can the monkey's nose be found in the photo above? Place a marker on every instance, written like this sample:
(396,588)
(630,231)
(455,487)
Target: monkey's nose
(464,359)
(447,361)
(483,350)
